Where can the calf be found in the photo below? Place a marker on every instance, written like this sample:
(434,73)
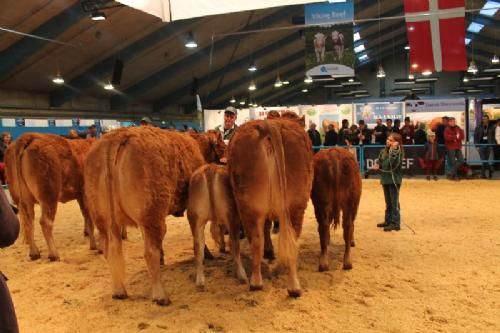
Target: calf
(336,188)
(210,198)
(319,47)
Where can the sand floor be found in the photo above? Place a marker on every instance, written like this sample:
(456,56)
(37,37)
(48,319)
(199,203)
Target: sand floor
(445,277)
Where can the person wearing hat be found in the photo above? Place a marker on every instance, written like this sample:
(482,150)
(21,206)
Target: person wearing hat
(146,121)
(229,126)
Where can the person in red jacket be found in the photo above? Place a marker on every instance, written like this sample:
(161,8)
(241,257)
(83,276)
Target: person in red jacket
(453,136)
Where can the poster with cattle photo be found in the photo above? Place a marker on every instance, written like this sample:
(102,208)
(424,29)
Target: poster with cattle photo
(325,115)
(430,112)
(329,39)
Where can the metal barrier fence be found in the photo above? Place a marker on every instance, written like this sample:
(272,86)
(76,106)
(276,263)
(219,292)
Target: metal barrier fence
(367,154)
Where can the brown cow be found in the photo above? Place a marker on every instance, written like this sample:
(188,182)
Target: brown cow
(211,198)
(211,145)
(270,168)
(138,176)
(46,169)
(336,188)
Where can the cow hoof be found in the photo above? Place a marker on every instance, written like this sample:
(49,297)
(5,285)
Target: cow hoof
(53,258)
(200,287)
(208,254)
(162,262)
(243,280)
(85,234)
(99,251)
(256,288)
(353,244)
(120,296)
(162,302)
(295,293)
(323,268)
(93,247)
(34,257)
(347,267)
(269,254)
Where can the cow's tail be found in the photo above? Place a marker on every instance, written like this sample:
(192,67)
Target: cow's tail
(287,239)
(26,221)
(335,176)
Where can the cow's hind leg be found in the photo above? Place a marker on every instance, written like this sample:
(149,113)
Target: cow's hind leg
(268,243)
(27,215)
(234,234)
(153,239)
(197,229)
(348,226)
(255,227)
(114,254)
(47,223)
(324,238)
(88,229)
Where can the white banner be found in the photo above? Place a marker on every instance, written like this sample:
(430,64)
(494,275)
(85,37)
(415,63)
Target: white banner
(64,123)
(324,115)
(435,105)
(9,122)
(183,9)
(36,123)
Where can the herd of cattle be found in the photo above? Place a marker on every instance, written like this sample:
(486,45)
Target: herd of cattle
(138,176)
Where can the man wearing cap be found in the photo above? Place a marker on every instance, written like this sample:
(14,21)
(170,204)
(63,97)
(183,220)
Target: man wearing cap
(146,121)
(229,126)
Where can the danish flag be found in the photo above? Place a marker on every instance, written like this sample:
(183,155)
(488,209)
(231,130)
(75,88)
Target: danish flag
(436,33)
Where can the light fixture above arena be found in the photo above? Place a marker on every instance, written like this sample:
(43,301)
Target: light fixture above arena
(191,43)
(58,79)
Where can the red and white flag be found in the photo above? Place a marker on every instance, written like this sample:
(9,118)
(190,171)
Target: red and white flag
(436,33)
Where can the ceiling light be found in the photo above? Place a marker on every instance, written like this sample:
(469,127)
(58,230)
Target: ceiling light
(475,27)
(278,82)
(407,47)
(489,8)
(495,59)
(414,66)
(242,102)
(351,80)
(411,77)
(304,90)
(252,86)
(380,72)
(426,72)
(285,82)
(191,43)
(308,79)
(351,83)
(232,100)
(467,41)
(98,16)
(466,79)
(474,90)
(356,36)
(58,79)
(252,67)
(109,86)
(411,28)
(472,67)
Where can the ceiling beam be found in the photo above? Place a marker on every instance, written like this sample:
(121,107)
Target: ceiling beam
(27,46)
(244,62)
(172,70)
(233,86)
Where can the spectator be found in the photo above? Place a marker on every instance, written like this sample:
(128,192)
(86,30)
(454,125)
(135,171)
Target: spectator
(420,137)
(229,127)
(146,121)
(389,163)
(453,140)
(407,132)
(314,136)
(4,143)
(396,128)
(91,132)
(331,136)
(343,132)
(390,128)
(9,230)
(497,139)
(364,136)
(380,133)
(73,134)
(484,134)
(431,161)
(440,130)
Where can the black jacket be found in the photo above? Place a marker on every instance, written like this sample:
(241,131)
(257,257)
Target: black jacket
(420,137)
(480,132)
(331,138)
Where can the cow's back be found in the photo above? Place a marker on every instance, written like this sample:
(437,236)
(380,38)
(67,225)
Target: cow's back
(251,166)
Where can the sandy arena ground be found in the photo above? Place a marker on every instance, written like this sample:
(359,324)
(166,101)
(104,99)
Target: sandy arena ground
(445,277)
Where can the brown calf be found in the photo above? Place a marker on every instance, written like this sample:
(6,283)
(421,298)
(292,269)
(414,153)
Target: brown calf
(211,199)
(336,188)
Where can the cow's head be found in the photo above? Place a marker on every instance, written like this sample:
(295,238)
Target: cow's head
(216,143)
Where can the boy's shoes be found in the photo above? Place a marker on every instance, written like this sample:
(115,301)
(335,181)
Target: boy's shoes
(391,227)
(382,225)
(428,177)
(435,177)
